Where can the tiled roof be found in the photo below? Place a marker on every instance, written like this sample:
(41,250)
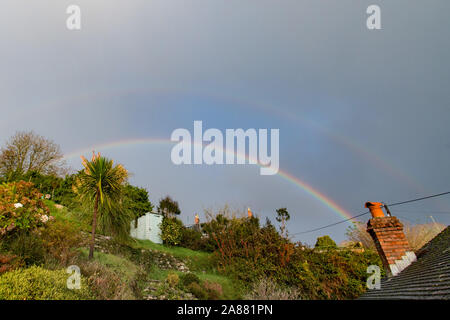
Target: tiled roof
(426,278)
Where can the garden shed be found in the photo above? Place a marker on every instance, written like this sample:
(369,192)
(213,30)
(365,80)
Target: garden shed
(147,227)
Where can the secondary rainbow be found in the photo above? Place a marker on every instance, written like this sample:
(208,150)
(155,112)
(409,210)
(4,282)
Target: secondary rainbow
(349,143)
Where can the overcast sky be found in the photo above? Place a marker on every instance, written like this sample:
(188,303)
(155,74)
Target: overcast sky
(363,115)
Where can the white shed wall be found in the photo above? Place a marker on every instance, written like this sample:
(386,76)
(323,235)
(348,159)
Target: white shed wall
(148,228)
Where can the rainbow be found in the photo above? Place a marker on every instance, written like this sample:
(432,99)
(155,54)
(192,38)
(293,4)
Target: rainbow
(345,141)
(322,198)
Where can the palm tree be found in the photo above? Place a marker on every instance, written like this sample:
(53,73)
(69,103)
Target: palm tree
(100,184)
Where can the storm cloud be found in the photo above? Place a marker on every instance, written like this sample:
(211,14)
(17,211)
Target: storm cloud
(363,114)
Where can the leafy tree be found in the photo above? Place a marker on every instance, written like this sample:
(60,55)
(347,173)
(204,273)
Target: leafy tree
(115,221)
(325,242)
(65,194)
(59,188)
(47,184)
(100,184)
(282,217)
(25,152)
(136,200)
(168,207)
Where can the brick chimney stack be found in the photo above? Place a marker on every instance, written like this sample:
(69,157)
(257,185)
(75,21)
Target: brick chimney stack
(390,241)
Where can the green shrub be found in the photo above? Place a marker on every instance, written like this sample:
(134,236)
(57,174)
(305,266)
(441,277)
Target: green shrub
(136,200)
(60,189)
(171,231)
(325,242)
(332,274)
(53,243)
(60,238)
(198,291)
(248,252)
(36,283)
(191,239)
(188,278)
(27,245)
(172,279)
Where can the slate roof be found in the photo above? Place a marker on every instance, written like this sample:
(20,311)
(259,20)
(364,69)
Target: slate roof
(426,278)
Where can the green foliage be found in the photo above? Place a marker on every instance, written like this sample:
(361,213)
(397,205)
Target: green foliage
(75,217)
(115,221)
(325,242)
(59,188)
(172,279)
(21,208)
(220,228)
(64,194)
(27,245)
(36,283)
(40,242)
(110,276)
(100,185)
(195,260)
(137,201)
(188,278)
(47,184)
(207,290)
(249,252)
(191,238)
(100,180)
(60,239)
(245,249)
(332,274)
(282,217)
(171,231)
(231,288)
(168,207)
(198,291)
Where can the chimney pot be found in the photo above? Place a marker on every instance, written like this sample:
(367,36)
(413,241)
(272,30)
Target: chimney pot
(375,209)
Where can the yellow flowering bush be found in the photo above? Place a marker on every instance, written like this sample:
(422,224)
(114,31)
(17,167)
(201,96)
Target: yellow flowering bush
(36,283)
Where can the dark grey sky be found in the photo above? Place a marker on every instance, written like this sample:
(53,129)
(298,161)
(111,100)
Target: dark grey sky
(363,115)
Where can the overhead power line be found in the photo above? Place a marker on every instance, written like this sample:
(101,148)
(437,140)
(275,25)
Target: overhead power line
(424,211)
(419,199)
(333,224)
(364,213)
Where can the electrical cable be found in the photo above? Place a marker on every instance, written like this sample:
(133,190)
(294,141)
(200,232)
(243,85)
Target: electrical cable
(362,214)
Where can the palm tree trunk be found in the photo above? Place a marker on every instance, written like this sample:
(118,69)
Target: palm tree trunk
(94,226)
